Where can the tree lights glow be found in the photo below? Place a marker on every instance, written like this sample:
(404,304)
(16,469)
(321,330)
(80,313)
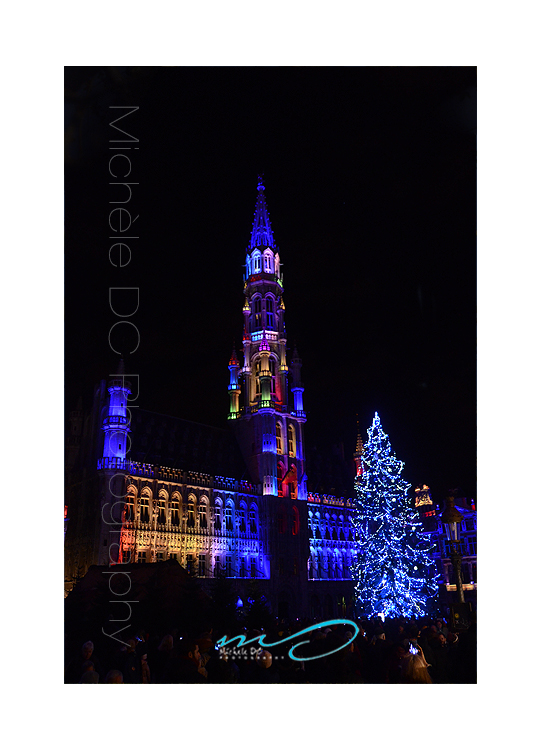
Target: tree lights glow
(393,572)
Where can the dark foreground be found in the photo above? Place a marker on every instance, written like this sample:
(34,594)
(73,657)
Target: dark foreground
(397,651)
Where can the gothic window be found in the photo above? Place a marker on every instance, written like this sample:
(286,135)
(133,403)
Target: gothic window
(279,437)
(175,510)
(295,521)
(161,508)
(291,440)
(253,567)
(243,519)
(257,313)
(269,313)
(202,510)
(229,566)
(201,566)
(141,555)
(129,508)
(217,567)
(144,508)
(253,520)
(243,569)
(256,261)
(218,510)
(229,517)
(191,512)
(160,556)
(317,532)
(268,262)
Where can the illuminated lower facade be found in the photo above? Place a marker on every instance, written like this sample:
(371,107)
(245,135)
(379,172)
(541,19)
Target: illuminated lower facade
(431,518)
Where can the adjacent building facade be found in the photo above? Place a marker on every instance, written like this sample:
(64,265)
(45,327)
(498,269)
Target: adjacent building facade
(431,518)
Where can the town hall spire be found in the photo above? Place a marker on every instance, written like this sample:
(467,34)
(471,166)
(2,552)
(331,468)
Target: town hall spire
(262,234)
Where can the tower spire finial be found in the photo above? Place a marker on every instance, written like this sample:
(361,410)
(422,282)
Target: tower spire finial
(262,234)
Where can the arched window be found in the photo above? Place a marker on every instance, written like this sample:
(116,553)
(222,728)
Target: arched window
(291,440)
(218,514)
(295,521)
(161,507)
(269,317)
(144,508)
(256,261)
(202,511)
(253,520)
(191,522)
(129,507)
(279,437)
(229,516)
(174,505)
(243,518)
(257,313)
(268,261)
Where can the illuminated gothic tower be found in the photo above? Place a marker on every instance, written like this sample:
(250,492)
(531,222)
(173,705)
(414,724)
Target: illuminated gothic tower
(358,454)
(112,465)
(269,418)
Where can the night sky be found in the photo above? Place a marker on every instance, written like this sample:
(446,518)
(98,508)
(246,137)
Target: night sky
(370,178)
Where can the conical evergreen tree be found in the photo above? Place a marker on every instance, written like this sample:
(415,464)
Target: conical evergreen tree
(393,572)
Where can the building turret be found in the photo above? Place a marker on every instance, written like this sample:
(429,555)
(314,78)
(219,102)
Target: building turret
(358,454)
(424,504)
(116,423)
(233,387)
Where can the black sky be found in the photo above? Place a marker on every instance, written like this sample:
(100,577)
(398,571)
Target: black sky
(370,180)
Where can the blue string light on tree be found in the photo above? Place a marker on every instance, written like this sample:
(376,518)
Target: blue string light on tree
(393,571)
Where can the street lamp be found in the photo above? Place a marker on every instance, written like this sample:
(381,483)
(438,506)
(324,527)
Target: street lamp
(451,520)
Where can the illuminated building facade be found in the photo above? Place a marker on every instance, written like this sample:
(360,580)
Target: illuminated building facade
(430,516)
(163,487)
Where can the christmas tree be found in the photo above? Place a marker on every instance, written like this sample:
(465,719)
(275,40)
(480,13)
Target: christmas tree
(393,572)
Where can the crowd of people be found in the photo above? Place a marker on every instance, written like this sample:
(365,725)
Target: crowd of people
(391,651)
